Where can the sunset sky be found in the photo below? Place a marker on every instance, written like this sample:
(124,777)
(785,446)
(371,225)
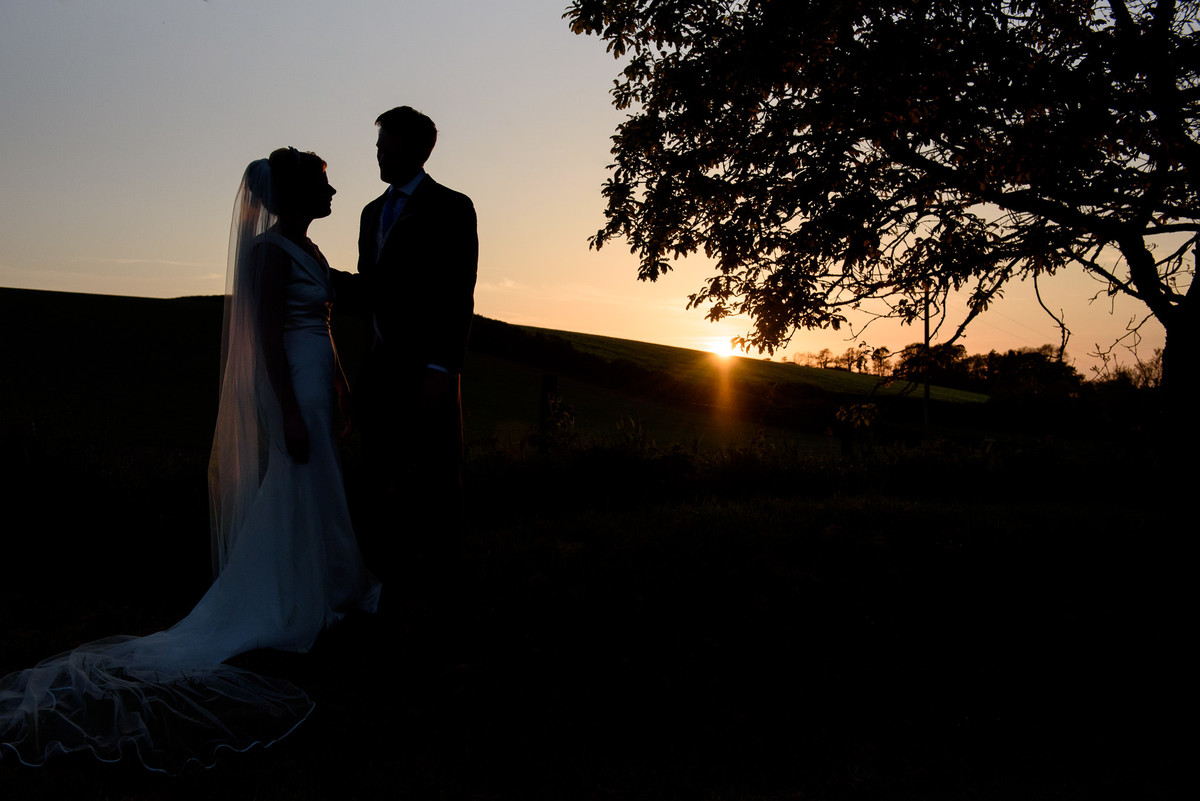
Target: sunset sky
(125,126)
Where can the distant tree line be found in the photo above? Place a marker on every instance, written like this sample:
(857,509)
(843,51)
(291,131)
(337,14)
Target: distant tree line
(1021,371)
(1024,371)
(861,359)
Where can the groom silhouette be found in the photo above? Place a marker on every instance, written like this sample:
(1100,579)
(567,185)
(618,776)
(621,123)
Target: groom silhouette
(417,259)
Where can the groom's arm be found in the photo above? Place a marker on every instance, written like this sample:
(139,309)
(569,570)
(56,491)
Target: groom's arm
(458,266)
(350,289)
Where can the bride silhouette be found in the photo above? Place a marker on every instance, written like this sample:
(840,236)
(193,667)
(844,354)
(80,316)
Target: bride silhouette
(286,560)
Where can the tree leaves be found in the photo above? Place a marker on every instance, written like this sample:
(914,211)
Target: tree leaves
(829,152)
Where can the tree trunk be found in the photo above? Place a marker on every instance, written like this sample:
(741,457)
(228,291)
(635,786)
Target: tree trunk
(1181,351)
(1180,369)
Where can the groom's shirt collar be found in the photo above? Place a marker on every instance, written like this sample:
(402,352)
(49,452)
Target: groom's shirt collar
(396,198)
(409,187)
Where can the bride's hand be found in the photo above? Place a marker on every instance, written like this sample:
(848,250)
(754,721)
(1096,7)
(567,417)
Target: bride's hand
(295,436)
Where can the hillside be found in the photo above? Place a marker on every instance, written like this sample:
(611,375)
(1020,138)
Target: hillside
(951,620)
(141,371)
(703,367)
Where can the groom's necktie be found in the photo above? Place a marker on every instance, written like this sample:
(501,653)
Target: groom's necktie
(392,209)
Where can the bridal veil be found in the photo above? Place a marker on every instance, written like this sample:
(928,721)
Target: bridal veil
(167,697)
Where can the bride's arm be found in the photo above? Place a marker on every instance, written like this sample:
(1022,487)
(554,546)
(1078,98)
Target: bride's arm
(277,267)
(342,386)
(348,290)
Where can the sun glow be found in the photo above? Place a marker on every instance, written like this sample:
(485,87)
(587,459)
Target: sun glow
(721,348)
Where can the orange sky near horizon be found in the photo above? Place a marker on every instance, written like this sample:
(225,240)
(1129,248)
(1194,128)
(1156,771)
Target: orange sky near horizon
(125,127)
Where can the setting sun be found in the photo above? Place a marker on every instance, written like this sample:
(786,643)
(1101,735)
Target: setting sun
(722,348)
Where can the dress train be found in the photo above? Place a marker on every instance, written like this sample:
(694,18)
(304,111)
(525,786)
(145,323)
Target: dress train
(293,569)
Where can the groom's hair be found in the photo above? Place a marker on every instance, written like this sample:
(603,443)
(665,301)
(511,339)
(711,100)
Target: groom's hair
(413,128)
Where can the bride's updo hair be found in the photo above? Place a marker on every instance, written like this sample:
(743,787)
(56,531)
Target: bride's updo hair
(293,173)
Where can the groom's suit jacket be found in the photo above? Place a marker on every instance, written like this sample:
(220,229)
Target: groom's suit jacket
(419,287)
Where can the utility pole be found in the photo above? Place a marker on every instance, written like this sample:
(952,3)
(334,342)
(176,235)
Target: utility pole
(928,359)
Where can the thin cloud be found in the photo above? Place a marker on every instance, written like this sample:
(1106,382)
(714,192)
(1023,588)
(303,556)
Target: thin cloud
(128,262)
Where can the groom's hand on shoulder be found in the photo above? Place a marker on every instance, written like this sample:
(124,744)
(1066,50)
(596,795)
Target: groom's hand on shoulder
(347,289)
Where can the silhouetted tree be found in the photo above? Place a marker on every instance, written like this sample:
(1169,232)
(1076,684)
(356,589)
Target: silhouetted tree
(1148,374)
(879,360)
(1028,371)
(1021,372)
(1142,374)
(833,153)
(942,363)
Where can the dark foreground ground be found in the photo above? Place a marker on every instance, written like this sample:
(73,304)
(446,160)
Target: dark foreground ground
(985,617)
(619,641)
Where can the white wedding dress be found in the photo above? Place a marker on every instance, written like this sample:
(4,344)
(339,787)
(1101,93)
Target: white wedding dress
(288,561)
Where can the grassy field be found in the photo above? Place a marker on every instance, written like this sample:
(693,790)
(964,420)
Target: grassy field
(706,368)
(662,597)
